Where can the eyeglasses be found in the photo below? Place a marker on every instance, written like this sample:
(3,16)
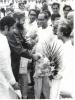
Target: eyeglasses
(41,19)
(55,8)
(33,14)
(66,10)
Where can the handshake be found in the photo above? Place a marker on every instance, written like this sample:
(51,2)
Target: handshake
(16,86)
(36,56)
(32,39)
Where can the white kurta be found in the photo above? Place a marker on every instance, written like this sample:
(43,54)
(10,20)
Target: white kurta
(6,76)
(31,28)
(45,36)
(68,81)
(41,81)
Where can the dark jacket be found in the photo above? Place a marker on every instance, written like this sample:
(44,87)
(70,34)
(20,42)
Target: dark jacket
(19,47)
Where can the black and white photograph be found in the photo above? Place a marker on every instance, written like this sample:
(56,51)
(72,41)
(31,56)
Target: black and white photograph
(37,55)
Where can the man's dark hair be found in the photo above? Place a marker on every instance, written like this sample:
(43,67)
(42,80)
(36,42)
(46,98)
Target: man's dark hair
(6,21)
(47,14)
(43,1)
(34,11)
(66,30)
(54,16)
(11,4)
(25,2)
(3,11)
(44,7)
(18,15)
(55,3)
(19,4)
(70,9)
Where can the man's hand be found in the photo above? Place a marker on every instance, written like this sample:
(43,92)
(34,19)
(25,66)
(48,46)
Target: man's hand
(16,86)
(36,57)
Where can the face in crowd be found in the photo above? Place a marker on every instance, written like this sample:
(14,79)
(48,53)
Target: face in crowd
(19,17)
(11,6)
(70,19)
(64,30)
(42,20)
(21,6)
(55,8)
(66,10)
(32,15)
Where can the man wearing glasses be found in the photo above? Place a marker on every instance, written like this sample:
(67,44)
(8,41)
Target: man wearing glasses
(66,10)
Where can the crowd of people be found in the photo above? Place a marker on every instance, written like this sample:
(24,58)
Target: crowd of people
(37,50)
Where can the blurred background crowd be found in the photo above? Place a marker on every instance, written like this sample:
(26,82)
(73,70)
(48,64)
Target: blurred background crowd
(37,49)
